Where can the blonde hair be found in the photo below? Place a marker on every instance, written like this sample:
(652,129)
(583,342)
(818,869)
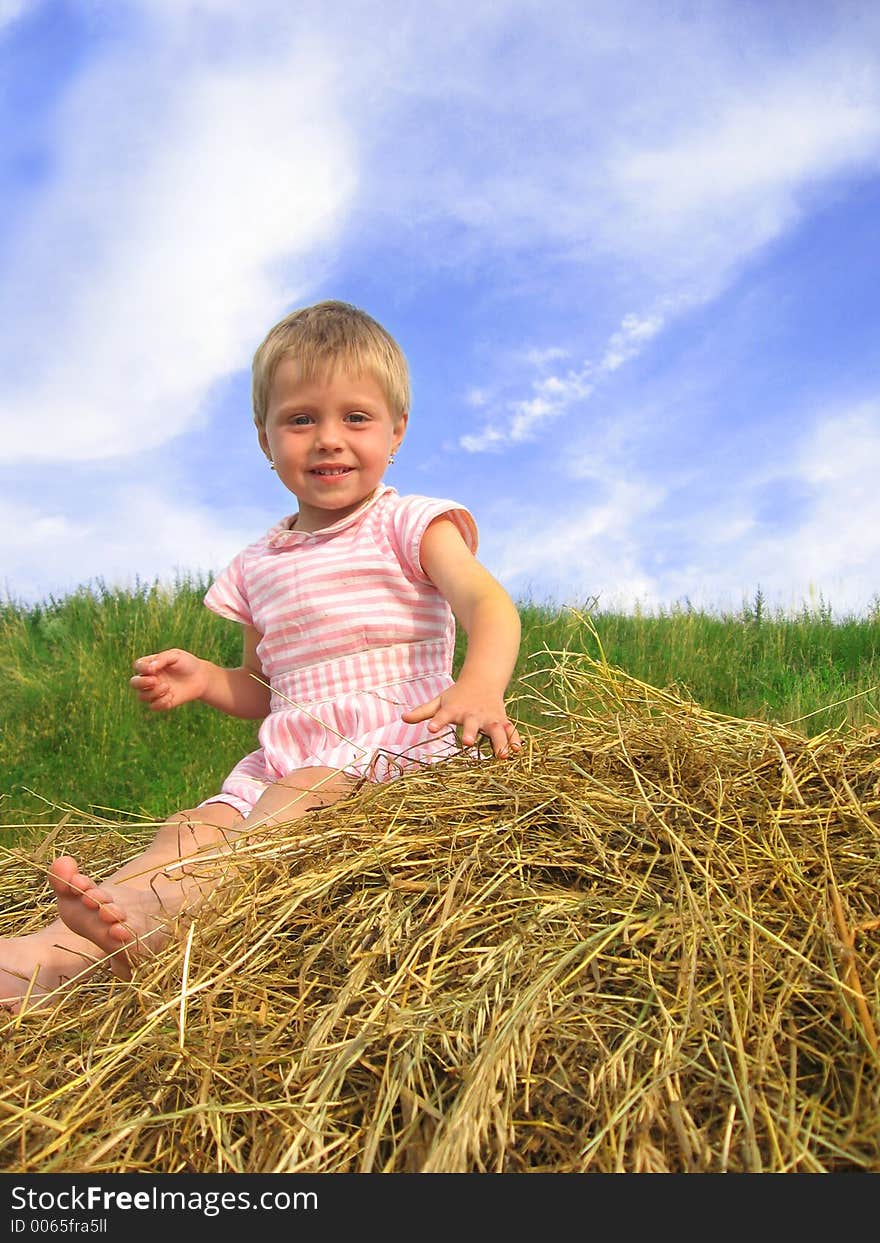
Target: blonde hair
(327,336)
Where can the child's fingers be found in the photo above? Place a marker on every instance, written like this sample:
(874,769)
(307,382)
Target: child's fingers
(506,739)
(156,661)
(434,713)
(470,730)
(145,684)
(421,713)
(146,665)
(502,733)
(497,736)
(152,691)
(160,699)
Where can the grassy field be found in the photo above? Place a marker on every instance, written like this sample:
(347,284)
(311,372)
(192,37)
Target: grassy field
(74,736)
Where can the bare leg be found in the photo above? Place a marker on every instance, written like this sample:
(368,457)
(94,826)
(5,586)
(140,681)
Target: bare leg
(34,965)
(128,914)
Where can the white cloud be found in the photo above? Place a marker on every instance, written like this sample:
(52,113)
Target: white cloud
(681,206)
(134,531)
(488,439)
(763,146)
(590,550)
(692,206)
(10,10)
(831,548)
(625,544)
(643,147)
(515,420)
(844,453)
(539,358)
(173,230)
(182,199)
(630,339)
(837,548)
(606,160)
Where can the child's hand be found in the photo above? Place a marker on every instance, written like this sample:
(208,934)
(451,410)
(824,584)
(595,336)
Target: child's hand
(168,679)
(476,712)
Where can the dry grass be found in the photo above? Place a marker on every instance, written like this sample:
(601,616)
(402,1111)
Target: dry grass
(650,943)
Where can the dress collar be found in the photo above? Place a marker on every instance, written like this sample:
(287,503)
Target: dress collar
(281,535)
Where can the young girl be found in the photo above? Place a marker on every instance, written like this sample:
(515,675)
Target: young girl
(346,610)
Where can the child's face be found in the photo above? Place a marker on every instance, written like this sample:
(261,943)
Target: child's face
(330,441)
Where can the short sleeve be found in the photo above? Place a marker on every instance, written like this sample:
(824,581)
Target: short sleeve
(227,595)
(412,517)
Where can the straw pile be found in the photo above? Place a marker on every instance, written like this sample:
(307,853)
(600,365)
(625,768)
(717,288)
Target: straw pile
(650,943)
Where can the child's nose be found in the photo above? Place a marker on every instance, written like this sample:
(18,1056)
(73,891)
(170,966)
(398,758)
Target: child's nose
(328,436)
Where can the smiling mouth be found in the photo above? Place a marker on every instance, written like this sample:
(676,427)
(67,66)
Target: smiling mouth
(330,472)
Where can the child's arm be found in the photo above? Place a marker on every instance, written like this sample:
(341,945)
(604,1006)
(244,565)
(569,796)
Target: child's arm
(491,622)
(168,679)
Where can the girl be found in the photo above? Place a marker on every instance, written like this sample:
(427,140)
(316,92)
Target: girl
(346,609)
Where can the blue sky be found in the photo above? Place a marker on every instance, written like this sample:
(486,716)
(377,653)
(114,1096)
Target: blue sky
(631,249)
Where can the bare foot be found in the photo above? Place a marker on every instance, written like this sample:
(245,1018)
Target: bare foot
(125,922)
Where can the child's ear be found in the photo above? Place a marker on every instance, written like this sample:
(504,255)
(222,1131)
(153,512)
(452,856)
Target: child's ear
(399,432)
(264,443)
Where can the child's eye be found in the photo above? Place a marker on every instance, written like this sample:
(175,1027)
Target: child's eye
(355,416)
(300,420)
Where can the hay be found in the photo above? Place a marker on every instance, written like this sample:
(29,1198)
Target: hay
(649,943)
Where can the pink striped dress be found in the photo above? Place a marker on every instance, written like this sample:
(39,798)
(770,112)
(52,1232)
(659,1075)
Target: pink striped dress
(353,634)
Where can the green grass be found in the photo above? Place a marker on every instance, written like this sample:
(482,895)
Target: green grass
(806,669)
(72,734)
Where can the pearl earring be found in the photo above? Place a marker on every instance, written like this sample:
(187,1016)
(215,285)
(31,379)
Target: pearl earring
(391,460)
(271,464)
